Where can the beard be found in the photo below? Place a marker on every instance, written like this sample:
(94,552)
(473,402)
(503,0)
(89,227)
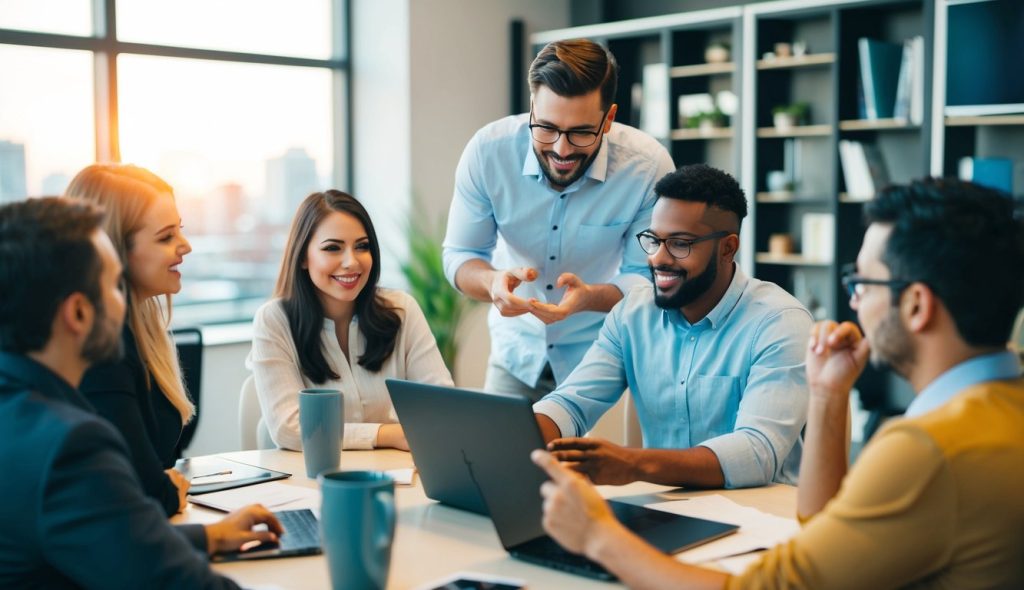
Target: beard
(557,178)
(891,347)
(103,343)
(689,290)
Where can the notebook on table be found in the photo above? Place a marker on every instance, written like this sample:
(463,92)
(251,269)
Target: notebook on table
(301,537)
(472,451)
(211,473)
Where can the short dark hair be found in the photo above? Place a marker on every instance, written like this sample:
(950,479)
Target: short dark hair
(46,254)
(704,184)
(966,242)
(378,321)
(574,68)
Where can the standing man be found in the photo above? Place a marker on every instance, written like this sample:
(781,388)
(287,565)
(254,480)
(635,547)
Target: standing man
(74,514)
(545,207)
(934,501)
(713,358)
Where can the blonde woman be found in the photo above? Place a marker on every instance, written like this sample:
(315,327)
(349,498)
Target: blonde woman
(142,394)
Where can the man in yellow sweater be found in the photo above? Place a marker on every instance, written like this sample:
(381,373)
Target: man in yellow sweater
(937,498)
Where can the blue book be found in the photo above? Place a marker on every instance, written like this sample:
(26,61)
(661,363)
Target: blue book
(994,173)
(880,73)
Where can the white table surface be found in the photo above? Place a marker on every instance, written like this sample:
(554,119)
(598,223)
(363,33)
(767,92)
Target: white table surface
(433,541)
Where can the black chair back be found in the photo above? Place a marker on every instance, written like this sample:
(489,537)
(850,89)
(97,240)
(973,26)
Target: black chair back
(189,342)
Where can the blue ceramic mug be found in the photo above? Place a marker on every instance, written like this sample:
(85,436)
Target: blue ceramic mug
(322,425)
(357,525)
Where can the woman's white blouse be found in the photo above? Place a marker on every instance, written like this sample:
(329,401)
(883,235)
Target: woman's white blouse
(274,362)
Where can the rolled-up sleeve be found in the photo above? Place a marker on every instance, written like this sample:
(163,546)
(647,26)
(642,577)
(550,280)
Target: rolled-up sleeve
(472,229)
(773,408)
(593,387)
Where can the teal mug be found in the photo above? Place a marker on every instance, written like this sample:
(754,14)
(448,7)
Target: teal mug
(322,426)
(357,526)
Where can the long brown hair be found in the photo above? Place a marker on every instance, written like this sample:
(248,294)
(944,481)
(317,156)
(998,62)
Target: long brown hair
(125,192)
(378,322)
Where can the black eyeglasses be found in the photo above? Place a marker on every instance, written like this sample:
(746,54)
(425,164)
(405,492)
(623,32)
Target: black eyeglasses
(856,285)
(679,248)
(549,134)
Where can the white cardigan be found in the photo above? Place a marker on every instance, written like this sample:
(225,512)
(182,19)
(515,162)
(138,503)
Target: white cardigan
(274,362)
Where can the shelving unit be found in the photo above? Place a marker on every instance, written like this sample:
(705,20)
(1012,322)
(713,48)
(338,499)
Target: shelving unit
(827,78)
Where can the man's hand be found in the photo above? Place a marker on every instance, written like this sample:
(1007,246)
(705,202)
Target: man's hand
(603,462)
(182,483)
(235,529)
(575,298)
(502,285)
(836,356)
(573,510)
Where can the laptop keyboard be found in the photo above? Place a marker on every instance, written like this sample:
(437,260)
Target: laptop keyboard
(300,527)
(545,551)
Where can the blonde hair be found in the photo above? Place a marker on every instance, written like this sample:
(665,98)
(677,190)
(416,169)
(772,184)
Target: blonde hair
(125,192)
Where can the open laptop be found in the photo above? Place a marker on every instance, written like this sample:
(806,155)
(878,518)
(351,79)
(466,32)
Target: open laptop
(472,450)
(301,537)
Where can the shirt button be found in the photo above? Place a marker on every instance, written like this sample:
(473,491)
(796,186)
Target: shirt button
(692,338)
(550,287)
(551,257)
(554,227)
(562,197)
(550,346)
(683,382)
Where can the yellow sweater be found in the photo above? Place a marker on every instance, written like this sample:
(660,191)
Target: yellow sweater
(935,501)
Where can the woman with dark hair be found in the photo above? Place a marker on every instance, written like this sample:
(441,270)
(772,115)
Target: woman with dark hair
(330,325)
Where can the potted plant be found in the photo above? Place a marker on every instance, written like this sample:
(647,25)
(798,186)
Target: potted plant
(785,117)
(706,121)
(717,52)
(442,305)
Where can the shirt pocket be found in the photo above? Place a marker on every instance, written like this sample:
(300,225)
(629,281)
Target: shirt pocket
(603,236)
(715,402)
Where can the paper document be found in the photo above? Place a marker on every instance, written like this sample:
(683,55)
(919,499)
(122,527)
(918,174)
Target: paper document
(402,477)
(274,495)
(758,530)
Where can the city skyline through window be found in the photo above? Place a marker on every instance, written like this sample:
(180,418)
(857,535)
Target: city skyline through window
(242,139)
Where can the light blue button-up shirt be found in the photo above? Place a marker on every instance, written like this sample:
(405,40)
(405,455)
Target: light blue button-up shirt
(997,366)
(733,382)
(505,212)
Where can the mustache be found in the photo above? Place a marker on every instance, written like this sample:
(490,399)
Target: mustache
(578,157)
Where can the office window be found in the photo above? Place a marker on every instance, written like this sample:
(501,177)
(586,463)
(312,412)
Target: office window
(239,104)
(242,145)
(46,119)
(67,17)
(300,28)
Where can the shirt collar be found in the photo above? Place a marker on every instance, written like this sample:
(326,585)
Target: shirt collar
(26,372)
(720,312)
(996,366)
(598,168)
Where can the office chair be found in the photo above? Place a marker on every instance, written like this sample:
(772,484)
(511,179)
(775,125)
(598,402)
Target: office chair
(252,429)
(189,342)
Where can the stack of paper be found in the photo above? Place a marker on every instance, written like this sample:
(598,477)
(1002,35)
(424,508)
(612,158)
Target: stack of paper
(758,530)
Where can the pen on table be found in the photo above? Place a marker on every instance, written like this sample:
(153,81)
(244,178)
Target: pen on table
(226,472)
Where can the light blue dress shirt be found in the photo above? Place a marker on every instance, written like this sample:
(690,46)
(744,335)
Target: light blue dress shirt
(734,382)
(997,366)
(505,212)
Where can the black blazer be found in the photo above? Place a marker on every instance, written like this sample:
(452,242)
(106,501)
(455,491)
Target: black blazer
(73,514)
(147,420)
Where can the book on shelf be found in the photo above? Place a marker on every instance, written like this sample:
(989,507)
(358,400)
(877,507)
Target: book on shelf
(864,168)
(879,72)
(654,117)
(994,173)
(818,236)
(909,104)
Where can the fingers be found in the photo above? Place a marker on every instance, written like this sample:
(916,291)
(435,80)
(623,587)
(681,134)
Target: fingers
(557,473)
(568,279)
(570,456)
(574,443)
(524,273)
(258,514)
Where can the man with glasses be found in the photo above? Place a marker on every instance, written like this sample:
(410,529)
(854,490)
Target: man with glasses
(713,358)
(934,500)
(544,206)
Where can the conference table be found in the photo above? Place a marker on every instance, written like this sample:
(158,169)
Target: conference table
(433,541)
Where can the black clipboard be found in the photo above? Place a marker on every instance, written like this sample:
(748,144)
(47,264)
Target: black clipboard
(211,473)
